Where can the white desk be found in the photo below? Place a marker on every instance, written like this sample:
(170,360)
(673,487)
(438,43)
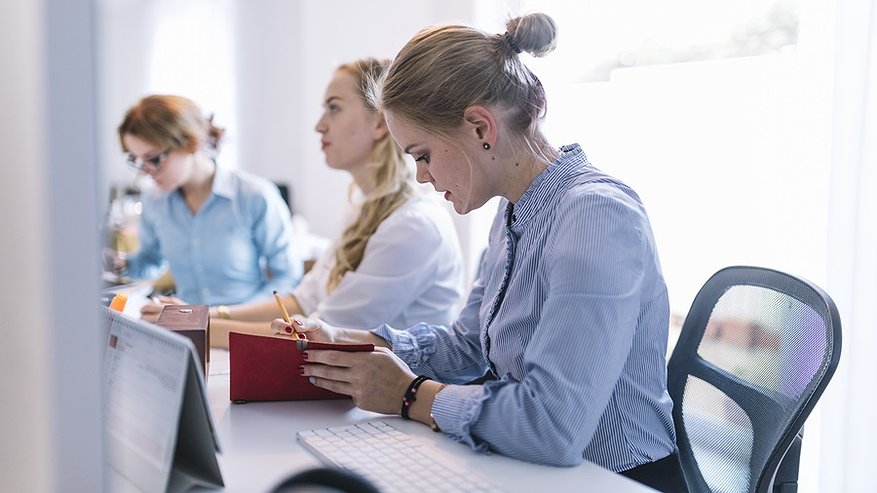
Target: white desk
(260,448)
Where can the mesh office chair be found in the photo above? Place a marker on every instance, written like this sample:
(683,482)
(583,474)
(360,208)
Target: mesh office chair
(755,353)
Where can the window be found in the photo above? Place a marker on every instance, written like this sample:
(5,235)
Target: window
(707,110)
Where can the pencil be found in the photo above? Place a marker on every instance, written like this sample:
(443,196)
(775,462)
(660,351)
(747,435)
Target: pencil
(294,334)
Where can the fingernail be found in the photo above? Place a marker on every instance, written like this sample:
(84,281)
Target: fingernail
(288,329)
(299,322)
(304,356)
(312,380)
(301,370)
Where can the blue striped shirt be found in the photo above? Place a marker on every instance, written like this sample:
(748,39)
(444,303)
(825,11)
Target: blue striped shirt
(577,341)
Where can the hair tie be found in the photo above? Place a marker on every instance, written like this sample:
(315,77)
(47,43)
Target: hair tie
(508,40)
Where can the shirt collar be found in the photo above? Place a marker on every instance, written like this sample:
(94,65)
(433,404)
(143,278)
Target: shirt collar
(224,183)
(571,158)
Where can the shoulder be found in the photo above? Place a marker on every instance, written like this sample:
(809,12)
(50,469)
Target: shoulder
(254,194)
(591,188)
(420,218)
(247,184)
(596,215)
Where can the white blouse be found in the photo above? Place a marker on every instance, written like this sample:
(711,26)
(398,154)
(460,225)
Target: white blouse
(411,272)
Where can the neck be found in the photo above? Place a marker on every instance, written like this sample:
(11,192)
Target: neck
(364,177)
(200,182)
(521,170)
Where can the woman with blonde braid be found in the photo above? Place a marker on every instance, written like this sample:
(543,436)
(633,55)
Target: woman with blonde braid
(399,260)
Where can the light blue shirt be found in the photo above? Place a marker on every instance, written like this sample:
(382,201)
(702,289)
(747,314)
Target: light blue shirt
(577,345)
(219,256)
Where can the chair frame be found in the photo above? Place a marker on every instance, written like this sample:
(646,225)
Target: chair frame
(685,361)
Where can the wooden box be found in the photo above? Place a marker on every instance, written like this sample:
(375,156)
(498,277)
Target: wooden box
(192,321)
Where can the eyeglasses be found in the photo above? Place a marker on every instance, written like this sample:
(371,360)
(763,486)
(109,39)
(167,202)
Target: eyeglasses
(153,163)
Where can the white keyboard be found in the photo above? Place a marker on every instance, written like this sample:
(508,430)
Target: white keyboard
(391,460)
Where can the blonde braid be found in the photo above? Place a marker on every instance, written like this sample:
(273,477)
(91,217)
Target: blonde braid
(393,185)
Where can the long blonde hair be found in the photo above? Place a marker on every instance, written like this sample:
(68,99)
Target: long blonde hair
(393,183)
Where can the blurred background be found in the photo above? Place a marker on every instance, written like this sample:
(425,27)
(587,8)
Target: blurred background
(747,127)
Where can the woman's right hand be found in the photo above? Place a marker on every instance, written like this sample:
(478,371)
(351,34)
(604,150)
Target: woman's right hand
(312,328)
(114,262)
(316,330)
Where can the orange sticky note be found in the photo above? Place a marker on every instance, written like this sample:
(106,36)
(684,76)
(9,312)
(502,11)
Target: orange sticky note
(119,302)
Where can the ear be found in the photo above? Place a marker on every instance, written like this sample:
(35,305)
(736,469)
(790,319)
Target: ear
(380,129)
(480,123)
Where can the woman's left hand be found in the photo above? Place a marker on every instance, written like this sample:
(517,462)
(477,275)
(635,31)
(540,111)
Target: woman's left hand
(150,311)
(375,380)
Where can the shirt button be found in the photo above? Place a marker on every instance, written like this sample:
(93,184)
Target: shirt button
(195,242)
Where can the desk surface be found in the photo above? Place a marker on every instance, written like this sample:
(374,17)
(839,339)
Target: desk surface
(259,447)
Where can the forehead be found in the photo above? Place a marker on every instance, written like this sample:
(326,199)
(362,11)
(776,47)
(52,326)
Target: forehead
(406,134)
(138,146)
(343,86)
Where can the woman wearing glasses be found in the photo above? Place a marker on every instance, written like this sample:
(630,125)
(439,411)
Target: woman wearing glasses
(225,234)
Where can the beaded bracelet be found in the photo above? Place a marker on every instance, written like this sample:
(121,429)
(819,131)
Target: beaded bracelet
(411,395)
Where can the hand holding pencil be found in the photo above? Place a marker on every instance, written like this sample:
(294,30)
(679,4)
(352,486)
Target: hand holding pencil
(295,335)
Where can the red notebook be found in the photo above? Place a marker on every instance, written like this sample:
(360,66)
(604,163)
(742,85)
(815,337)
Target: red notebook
(265,368)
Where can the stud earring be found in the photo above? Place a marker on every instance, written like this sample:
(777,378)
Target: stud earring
(486,146)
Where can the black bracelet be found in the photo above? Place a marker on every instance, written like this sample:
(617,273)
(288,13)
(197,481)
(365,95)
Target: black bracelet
(411,395)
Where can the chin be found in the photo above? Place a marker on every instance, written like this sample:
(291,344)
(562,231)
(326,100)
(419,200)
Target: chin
(333,164)
(461,209)
(164,187)
(469,206)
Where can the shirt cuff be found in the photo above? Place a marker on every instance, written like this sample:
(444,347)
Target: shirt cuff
(455,409)
(413,346)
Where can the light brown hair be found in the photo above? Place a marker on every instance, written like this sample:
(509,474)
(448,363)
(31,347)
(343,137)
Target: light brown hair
(172,122)
(392,180)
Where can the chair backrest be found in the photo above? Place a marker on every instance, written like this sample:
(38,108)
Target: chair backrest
(755,353)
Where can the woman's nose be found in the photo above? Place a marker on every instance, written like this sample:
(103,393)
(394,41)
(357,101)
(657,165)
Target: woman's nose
(320,126)
(421,174)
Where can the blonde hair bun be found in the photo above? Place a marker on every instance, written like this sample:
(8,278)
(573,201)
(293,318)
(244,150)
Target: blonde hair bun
(534,33)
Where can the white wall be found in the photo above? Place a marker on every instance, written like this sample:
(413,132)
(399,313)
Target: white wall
(287,53)
(125,36)
(24,377)
(51,353)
